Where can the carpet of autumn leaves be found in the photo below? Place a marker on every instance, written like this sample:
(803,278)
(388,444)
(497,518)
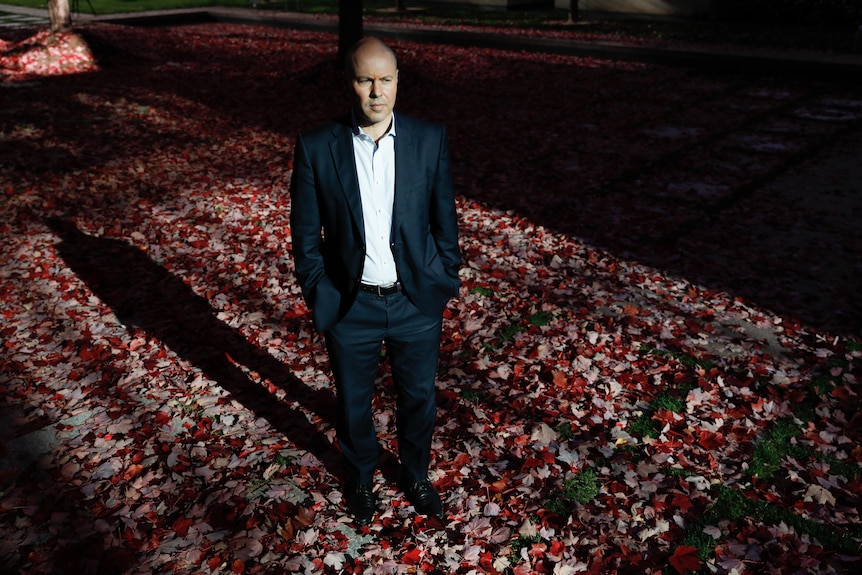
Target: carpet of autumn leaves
(633,319)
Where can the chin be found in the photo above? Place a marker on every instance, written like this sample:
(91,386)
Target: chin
(378,116)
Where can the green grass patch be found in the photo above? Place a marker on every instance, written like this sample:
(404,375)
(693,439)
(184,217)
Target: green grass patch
(524,542)
(732,504)
(684,358)
(482,291)
(582,488)
(282,460)
(565,431)
(644,426)
(191,410)
(666,402)
(635,451)
(677,472)
(848,469)
(558,505)
(509,332)
(470,395)
(701,541)
(541,318)
(256,487)
(821,385)
(779,444)
(770,450)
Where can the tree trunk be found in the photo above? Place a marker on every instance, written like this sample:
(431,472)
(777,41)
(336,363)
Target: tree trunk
(61,16)
(349,26)
(574,11)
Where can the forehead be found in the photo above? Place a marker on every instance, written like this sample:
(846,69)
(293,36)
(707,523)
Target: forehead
(374,60)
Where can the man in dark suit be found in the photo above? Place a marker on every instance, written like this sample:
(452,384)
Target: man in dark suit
(375,242)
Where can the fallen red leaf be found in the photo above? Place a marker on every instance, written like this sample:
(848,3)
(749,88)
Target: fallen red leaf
(412,557)
(685,559)
(181,526)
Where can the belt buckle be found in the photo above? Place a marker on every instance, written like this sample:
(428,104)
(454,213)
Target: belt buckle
(381,290)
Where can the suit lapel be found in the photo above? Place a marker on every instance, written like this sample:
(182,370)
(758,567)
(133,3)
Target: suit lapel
(404,166)
(341,148)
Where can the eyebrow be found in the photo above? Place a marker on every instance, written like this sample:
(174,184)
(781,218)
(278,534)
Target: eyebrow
(386,77)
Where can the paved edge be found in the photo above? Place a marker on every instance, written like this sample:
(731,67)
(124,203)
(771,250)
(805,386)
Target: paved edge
(840,67)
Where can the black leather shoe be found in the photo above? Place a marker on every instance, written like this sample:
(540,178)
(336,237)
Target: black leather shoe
(424,499)
(362,502)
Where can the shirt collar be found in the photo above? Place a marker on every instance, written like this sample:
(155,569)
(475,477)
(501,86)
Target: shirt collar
(357,131)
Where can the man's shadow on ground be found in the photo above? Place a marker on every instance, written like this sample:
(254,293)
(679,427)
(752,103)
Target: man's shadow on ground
(145,296)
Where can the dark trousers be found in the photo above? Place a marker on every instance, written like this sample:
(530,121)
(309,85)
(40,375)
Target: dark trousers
(412,346)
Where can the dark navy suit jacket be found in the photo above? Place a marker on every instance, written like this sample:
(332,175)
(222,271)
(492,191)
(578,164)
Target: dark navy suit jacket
(324,192)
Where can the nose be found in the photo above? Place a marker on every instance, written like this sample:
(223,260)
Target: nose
(376,88)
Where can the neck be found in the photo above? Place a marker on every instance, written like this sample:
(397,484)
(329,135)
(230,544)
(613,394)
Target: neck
(378,130)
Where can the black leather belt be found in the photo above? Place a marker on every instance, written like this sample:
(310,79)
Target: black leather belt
(381,290)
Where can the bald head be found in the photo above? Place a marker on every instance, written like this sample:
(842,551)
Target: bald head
(365,49)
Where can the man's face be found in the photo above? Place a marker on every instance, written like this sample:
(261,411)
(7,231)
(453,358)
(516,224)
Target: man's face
(374,84)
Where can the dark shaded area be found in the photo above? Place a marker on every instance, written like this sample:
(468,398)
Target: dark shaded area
(165,19)
(145,296)
(573,148)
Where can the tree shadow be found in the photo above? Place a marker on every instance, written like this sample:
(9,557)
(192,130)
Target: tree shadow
(146,296)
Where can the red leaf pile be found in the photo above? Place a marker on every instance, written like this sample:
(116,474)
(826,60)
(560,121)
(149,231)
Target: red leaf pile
(167,407)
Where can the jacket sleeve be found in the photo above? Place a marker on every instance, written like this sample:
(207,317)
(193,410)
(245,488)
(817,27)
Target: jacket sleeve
(443,216)
(318,290)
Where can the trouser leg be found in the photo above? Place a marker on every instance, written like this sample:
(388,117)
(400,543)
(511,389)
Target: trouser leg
(413,346)
(354,346)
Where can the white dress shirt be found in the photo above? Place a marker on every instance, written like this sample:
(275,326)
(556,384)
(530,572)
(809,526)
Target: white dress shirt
(375,166)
